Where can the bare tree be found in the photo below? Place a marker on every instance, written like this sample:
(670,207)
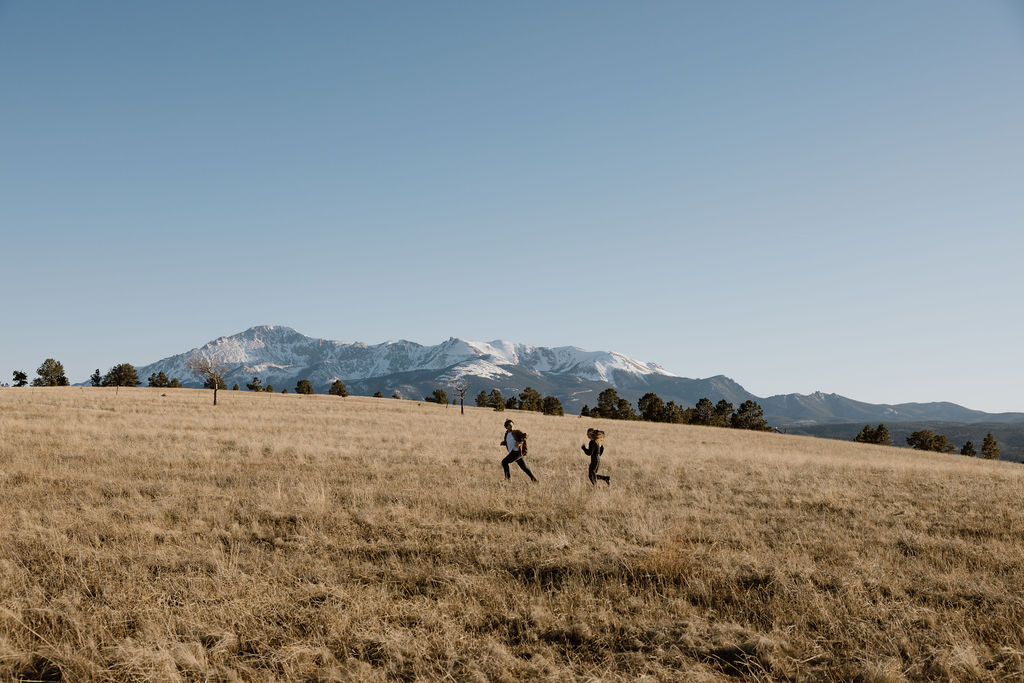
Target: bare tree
(210,370)
(460,387)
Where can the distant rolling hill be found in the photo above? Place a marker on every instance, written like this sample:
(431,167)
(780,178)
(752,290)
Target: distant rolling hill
(1009,436)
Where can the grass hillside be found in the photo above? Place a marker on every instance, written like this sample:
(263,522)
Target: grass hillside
(1009,436)
(148,535)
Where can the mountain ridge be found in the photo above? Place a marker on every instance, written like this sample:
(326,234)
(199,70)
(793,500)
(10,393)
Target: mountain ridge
(280,356)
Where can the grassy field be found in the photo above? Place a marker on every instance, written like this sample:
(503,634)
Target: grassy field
(148,535)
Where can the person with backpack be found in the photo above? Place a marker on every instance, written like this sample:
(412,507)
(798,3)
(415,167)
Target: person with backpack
(595,449)
(515,442)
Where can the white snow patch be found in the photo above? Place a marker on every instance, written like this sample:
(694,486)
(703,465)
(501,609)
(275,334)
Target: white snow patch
(483,369)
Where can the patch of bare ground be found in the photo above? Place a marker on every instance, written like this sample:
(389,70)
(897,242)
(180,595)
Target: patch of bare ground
(148,535)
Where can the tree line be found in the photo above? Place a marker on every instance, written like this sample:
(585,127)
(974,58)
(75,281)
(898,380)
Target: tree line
(927,440)
(51,374)
(652,408)
(528,399)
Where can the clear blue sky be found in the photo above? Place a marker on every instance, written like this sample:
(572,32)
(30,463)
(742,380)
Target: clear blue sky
(799,195)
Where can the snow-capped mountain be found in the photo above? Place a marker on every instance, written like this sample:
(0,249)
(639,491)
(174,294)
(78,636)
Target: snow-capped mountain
(280,356)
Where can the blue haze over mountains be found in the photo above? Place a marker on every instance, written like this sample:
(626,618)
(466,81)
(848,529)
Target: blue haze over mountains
(281,356)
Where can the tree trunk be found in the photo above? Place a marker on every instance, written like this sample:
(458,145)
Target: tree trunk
(215,393)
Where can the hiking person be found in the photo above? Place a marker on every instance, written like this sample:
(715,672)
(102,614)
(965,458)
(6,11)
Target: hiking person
(595,449)
(515,442)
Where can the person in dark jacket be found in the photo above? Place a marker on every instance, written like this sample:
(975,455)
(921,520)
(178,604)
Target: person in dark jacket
(595,449)
(515,442)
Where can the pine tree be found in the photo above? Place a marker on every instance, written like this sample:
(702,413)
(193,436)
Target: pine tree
(256,385)
(235,387)
(159,380)
(530,399)
(878,436)
(21,378)
(482,400)
(926,440)
(585,411)
(624,410)
(968,450)
(269,388)
(439,397)
(552,406)
(304,387)
(338,389)
(175,383)
(749,416)
(921,440)
(496,401)
(652,408)
(989,447)
(607,402)
(96,379)
(703,412)
(50,374)
(378,394)
(674,413)
(882,437)
(867,435)
(122,375)
(723,414)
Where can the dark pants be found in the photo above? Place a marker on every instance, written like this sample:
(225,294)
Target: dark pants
(517,457)
(595,465)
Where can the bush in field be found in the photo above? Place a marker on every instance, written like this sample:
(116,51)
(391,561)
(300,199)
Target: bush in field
(303,387)
(338,389)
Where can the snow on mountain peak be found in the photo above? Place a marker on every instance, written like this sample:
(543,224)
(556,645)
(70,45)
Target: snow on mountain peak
(261,349)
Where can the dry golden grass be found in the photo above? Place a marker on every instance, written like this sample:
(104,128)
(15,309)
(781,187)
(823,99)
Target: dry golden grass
(148,535)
